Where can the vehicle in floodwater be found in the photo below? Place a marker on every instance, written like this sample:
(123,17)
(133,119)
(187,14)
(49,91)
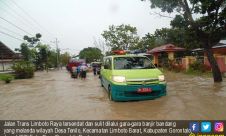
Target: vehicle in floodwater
(74,63)
(131,77)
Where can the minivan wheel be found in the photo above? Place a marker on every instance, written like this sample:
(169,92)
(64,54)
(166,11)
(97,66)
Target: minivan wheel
(109,93)
(101,82)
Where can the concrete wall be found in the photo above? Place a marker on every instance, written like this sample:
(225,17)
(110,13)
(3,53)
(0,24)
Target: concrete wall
(221,60)
(6,65)
(186,61)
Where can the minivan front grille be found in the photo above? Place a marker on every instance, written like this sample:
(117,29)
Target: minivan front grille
(142,81)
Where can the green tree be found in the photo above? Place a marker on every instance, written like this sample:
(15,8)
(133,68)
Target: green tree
(42,56)
(39,54)
(33,40)
(149,41)
(177,36)
(90,54)
(52,59)
(64,58)
(26,48)
(28,53)
(205,20)
(25,52)
(146,42)
(170,35)
(121,37)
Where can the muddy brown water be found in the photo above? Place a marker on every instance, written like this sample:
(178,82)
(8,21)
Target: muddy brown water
(55,95)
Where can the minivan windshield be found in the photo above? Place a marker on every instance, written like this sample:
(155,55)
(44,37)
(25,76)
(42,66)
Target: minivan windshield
(132,63)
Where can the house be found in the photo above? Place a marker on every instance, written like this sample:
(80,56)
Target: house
(168,49)
(219,52)
(7,57)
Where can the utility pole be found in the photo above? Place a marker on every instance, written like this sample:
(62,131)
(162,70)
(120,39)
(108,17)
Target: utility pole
(57,52)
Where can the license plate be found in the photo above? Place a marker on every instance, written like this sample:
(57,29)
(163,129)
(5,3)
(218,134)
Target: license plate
(144,90)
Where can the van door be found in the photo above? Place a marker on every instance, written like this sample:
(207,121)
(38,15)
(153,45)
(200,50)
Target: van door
(106,72)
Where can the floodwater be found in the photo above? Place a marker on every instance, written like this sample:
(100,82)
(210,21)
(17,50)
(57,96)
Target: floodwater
(55,95)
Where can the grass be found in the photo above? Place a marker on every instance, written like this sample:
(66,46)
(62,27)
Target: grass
(6,77)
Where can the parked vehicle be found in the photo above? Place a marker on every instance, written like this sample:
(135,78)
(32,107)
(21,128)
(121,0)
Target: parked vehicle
(131,77)
(74,63)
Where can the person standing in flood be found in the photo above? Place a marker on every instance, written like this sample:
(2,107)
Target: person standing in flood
(79,71)
(94,70)
(83,69)
(74,72)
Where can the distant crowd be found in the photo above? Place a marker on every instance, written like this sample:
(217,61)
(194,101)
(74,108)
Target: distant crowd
(81,70)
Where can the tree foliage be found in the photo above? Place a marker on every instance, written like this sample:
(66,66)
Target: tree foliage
(41,55)
(23,69)
(25,51)
(90,54)
(146,42)
(176,36)
(64,58)
(33,40)
(121,37)
(203,20)
(52,59)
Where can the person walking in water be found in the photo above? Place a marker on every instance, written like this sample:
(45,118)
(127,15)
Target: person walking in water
(94,70)
(79,71)
(83,69)
(74,72)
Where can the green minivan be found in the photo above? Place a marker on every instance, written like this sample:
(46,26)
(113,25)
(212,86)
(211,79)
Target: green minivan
(131,77)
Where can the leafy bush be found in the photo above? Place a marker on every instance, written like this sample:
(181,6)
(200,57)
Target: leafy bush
(198,66)
(6,77)
(23,70)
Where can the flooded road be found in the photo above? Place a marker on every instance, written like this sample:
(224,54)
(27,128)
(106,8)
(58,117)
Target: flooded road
(55,95)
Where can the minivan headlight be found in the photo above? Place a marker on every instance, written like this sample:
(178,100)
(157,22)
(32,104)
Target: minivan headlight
(119,79)
(161,78)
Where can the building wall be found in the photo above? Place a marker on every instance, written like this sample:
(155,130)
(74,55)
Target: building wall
(186,61)
(221,61)
(6,65)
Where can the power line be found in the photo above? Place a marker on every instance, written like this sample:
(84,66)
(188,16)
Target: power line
(22,35)
(50,44)
(11,36)
(16,14)
(19,35)
(29,19)
(15,26)
(34,20)
(15,17)
(28,15)
(11,31)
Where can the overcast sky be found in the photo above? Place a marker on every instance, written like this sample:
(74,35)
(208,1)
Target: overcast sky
(74,22)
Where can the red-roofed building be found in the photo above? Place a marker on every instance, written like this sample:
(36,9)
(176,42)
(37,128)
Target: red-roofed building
(170,49)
